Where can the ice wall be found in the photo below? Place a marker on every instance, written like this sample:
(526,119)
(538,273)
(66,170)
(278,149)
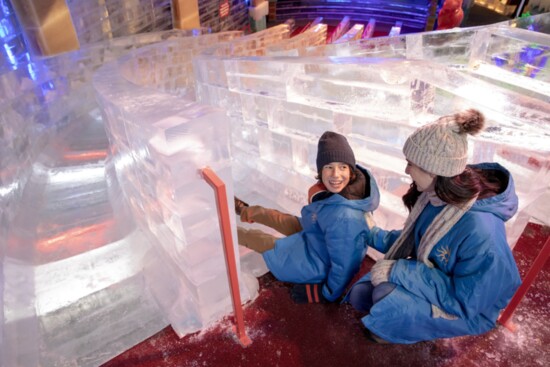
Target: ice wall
(313,36)
(376,92)
(162,140)
(99,223)
(71,294)
(134,264)
(96,21)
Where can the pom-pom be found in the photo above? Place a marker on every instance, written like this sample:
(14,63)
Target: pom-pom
(470,121)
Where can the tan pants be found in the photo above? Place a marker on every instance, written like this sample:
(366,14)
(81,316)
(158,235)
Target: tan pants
(259,241)
(284,223)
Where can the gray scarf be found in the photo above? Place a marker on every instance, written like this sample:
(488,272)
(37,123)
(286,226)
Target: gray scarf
(441,224)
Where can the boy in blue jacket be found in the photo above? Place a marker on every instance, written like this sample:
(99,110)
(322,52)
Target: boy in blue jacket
(450,270)
(324,248)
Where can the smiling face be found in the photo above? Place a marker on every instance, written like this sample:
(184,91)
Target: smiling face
(335,176)
(424,180)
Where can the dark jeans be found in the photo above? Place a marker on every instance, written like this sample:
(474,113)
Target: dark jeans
(364,295)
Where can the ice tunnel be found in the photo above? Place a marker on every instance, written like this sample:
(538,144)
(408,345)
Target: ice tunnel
(109,233)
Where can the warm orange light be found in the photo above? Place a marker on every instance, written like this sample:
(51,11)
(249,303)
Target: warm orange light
(86,156)
(71,236)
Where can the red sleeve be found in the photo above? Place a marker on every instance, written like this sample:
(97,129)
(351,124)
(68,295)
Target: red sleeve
(314,190)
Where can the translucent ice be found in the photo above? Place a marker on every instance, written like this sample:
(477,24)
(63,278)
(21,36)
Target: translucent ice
(105,204)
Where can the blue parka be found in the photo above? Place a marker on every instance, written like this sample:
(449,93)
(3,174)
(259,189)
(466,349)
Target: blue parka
(473,278)
(331,245)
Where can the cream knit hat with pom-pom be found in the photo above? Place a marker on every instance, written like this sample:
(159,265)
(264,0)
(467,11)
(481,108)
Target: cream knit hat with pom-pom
(441,147)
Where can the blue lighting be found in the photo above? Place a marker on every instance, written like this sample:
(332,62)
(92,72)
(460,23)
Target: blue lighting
(9,54)
(14,49)
(4,28)
(527,62)
(32,70)
(5,8)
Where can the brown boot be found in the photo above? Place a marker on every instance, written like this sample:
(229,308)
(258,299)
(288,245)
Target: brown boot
(284,223)
(255,239)
(239,205)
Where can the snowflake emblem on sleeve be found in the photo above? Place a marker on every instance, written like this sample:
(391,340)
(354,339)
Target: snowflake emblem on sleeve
(444,253)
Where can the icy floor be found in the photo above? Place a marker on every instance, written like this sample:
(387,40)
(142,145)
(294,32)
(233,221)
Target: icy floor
(286,334)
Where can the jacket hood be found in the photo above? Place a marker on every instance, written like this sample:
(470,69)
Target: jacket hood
(503,205)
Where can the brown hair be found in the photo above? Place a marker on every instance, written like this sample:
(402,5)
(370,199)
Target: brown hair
(461,188)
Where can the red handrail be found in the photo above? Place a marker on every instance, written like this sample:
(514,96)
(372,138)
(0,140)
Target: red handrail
(536,267)
(225,226)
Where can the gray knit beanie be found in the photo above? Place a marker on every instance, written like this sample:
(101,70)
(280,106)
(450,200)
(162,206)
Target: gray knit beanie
(333,147)
(441,147)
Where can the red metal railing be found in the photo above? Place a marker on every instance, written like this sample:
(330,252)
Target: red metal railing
(225,226)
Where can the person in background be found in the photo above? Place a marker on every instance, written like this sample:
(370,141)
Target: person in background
(324,248)
(450,270)
(450,15)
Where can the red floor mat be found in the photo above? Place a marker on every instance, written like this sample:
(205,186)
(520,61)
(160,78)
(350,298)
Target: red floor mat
(286,334)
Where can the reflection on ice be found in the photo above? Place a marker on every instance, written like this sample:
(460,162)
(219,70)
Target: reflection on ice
(115,199)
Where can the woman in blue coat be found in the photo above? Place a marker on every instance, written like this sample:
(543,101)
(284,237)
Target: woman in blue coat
(324,248)
(450,270)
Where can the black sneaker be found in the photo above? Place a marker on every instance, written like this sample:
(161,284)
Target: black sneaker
(239,205)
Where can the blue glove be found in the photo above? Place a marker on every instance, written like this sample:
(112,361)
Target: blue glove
(308,293)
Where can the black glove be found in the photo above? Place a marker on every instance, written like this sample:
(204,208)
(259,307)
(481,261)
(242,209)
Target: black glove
(308,293)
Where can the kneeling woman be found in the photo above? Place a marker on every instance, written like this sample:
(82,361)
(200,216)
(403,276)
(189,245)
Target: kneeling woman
(450,271)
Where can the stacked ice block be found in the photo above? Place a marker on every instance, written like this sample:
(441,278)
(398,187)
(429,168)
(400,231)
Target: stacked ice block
(212,88)
(312,36)
(127,215)
(208,65)
(96,21)
(353,34)
(162,141)
(72,285)
(377,100)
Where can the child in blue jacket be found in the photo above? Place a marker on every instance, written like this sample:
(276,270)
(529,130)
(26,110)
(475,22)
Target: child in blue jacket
(450,270)
(324,248)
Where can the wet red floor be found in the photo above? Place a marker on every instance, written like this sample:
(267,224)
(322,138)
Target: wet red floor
(287,334)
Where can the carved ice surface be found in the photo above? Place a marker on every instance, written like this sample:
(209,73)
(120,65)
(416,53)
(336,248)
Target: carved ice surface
(378,99)
(164,186)
(109,233)
(313,36)
(67,280)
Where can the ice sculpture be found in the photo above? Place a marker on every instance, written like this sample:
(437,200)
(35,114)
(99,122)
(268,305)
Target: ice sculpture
(63,213)
(123,211)
(313,36)
(353,34)
(96,21)
(162,141)
(376,100)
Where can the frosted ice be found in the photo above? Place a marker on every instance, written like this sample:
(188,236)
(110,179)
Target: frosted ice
(67,192)
(378,100)
(109,189)
(181,143)
(353,34)
(342,27)
(313,36)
